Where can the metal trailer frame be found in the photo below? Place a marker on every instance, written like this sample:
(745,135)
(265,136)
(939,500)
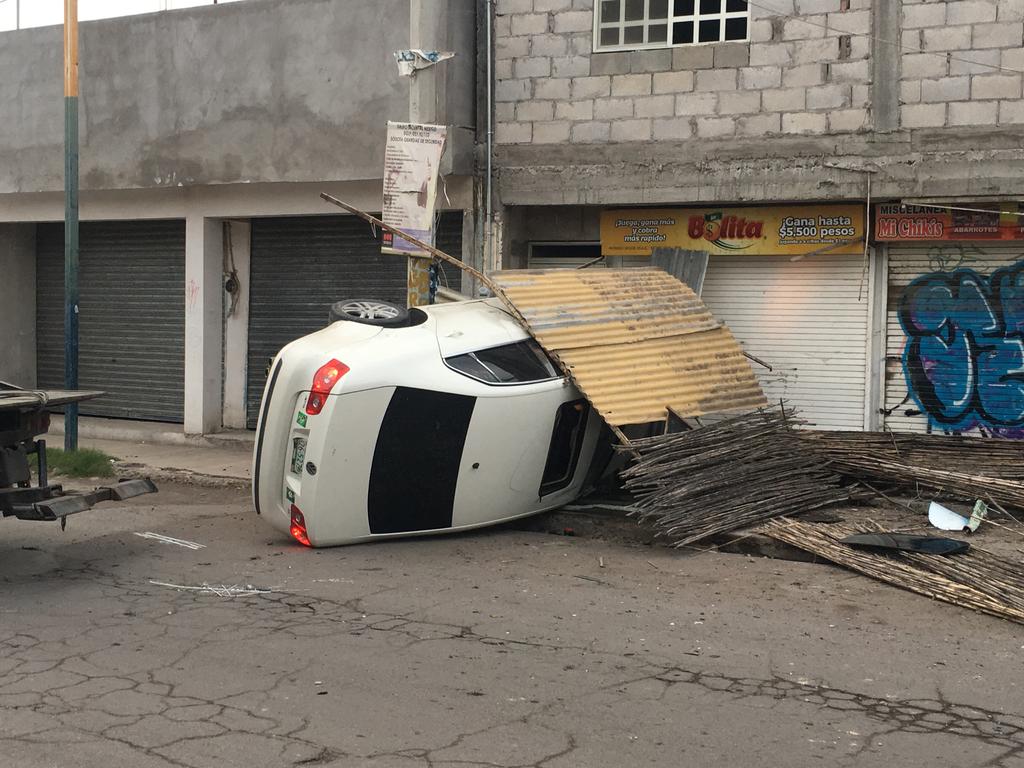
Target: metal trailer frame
(23,419)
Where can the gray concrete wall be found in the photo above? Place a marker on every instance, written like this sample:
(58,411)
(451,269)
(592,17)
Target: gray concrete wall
(460,72)
(445,94)
(961,164)
(523,225)
(260,91)
(18,304)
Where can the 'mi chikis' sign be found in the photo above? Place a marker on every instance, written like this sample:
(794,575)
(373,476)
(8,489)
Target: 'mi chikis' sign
(781,230)
(896,222)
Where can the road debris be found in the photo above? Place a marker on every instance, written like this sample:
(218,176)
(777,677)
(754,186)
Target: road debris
(990,468)
(946,519)
(220,590)
(170,540)
(903,542)
(729,475)
(976,579)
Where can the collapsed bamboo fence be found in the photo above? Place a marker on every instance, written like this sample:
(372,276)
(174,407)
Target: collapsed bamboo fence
(976,579)
(729,475)
(964,467)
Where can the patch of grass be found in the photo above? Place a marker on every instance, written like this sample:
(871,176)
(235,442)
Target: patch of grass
(85,462)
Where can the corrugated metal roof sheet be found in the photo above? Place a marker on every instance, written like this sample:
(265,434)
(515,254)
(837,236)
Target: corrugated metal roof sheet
(636,341)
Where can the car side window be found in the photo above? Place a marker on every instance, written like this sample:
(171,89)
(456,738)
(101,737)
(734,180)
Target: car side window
(519,363)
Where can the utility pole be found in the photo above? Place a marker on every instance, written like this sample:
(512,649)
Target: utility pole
(71,219)
(427,19)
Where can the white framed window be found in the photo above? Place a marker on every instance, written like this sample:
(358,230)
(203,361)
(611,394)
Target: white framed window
(628,25)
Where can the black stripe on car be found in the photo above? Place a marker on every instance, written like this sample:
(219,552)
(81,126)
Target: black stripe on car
(416,461)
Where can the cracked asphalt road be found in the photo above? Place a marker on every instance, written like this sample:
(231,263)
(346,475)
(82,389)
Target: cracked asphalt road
(501,648)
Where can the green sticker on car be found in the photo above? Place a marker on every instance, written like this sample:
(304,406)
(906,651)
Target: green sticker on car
(301,419)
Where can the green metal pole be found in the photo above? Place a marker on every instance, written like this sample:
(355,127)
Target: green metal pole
(71,219)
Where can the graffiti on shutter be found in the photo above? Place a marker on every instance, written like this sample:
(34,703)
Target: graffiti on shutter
(964,354)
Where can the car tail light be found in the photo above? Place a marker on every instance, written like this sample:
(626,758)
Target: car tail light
(298,527)
(324,379)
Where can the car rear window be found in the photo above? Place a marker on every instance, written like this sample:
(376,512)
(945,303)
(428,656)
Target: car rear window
(519,363)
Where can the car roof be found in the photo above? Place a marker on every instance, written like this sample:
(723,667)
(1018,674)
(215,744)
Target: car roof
(467,326)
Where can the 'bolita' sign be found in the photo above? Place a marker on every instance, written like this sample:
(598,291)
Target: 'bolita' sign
(782,230)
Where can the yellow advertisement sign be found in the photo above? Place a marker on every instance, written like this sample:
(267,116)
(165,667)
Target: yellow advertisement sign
(767,231)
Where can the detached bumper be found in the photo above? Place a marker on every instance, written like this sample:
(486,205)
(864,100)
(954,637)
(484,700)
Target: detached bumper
(50,502)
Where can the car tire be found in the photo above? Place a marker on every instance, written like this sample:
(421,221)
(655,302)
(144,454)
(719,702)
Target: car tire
(369,312)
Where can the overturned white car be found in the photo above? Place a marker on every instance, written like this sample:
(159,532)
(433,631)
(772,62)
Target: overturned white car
(390,423)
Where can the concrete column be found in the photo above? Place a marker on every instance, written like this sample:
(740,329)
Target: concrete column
(886,29)
(204,254)
(428,29)
(236,326)
(504,228)
(471,253)
(878,295)
(18,304)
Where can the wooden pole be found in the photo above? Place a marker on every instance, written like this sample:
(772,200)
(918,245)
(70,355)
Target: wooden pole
(435,252)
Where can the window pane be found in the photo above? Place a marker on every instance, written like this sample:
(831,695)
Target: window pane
(610,10)
(470,366)
(610,36)
(709,31)
(640,23)
(512,363)
(682,32)
(736,29)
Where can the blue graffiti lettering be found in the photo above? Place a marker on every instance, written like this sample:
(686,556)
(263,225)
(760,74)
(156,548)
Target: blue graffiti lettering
(964,357)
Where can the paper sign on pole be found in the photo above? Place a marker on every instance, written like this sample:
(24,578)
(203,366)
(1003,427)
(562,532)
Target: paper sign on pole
(413,60)
(412,157)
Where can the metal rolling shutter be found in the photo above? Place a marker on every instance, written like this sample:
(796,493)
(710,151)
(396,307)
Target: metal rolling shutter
(804,319)
(132,316)
(301,265)
(561,262)
(564,256)
(908,262)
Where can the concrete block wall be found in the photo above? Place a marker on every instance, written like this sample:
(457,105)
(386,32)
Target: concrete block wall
(806,70)
(806,75)
(961,63)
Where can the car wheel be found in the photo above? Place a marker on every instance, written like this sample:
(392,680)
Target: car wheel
(370,312)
